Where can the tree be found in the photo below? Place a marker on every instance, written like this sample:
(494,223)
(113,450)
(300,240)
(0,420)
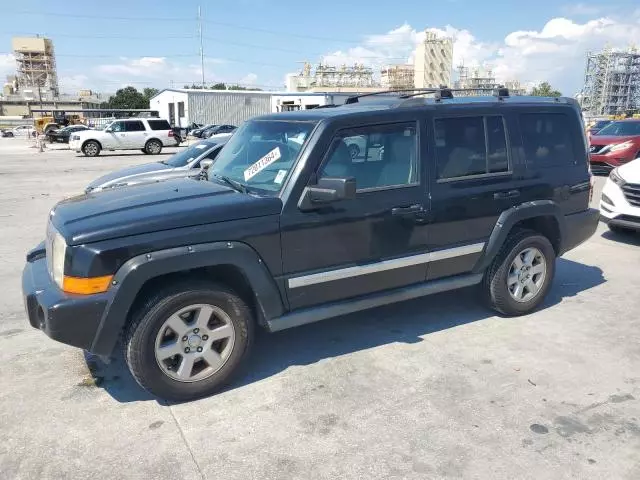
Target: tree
(545,90)
(128,97)
(149,93)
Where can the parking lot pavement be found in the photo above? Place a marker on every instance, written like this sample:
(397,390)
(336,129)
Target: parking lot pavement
(432,388)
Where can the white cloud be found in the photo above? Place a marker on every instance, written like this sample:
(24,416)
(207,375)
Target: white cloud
(554,53)
(249,80)
(7,66)
(137,67)
(73,83)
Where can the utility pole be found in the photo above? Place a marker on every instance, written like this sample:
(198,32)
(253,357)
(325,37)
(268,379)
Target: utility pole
(201,48)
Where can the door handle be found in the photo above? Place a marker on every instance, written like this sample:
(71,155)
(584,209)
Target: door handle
(505,195)
(412,209)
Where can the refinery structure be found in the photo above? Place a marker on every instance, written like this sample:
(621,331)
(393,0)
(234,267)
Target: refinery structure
(481,80)
(433,61)
(612,83)
(36,66)
(331,78)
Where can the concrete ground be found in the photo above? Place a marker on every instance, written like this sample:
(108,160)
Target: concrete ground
(434,388)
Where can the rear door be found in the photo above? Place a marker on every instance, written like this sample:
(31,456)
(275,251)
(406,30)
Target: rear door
(474,178)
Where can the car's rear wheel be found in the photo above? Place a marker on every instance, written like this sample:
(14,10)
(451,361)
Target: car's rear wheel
(187,341)
(153,147)
(521,274)
(91,148)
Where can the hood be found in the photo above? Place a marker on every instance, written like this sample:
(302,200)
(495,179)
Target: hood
(128,175)
(630,172)
(151,207)
(608,140)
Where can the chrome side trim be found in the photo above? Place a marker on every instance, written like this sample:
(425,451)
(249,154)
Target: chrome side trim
(349,272)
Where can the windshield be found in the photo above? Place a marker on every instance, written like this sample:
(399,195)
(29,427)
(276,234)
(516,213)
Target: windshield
(180,159)
(601,123)
(620,129)
(261,154)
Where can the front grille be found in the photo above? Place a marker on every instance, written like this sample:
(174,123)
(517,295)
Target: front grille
(632,193)
(596,148)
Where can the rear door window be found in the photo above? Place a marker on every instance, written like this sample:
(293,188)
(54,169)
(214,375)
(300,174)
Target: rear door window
(547,139)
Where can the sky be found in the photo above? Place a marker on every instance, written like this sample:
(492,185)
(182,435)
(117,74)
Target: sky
(104,46)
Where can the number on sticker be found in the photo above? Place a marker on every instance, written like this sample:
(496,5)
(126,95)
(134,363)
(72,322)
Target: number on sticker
(261,164)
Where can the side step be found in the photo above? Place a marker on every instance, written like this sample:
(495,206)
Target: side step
(344,307)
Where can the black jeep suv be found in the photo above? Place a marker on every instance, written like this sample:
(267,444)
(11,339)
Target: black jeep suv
(293,228)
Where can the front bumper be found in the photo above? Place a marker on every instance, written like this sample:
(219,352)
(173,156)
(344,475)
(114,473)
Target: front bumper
(616,210)
(70,319)
(579,228)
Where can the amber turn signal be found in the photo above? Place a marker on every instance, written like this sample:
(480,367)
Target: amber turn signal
(86,286)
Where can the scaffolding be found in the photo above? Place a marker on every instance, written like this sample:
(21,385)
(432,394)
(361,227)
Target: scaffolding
(36,66)
(356,75)
(611,83)
(479,80)
(397,77)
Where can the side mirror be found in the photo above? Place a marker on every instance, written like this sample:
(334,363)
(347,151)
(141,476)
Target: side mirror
(206,164)
(327,190)
(109,130)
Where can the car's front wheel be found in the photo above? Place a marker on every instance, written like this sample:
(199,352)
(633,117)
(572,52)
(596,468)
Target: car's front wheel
(153,147)
(187,341)
(521,274)
(91,148)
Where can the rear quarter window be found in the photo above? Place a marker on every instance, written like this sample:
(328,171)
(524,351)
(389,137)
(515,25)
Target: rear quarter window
(548,140)
(159,125)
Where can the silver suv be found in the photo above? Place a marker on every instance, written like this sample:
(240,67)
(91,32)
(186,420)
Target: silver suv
(146,134)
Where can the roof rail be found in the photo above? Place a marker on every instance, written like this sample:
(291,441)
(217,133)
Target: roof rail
(354,98)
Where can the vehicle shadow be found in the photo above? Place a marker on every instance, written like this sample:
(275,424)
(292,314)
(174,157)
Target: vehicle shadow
(405,322)
(629,238)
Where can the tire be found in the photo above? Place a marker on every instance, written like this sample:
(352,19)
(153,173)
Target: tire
(354,150)
(147,327)
(497,288)
(91,148)
(153,147)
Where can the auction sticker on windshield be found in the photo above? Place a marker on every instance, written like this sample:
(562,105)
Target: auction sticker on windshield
(263,163)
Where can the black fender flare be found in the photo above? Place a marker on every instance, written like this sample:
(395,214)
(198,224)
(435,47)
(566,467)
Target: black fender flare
(506,221)
(132,275)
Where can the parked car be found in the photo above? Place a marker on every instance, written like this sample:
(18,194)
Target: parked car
(186,163)
(620,200)
(181,273)
(217,130)
(597,126)
(23,131)
(6,133)
(62,135)
(146,134)
(197,132)
(616,144)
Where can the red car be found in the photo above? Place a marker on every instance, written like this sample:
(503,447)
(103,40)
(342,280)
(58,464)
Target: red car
(616,144)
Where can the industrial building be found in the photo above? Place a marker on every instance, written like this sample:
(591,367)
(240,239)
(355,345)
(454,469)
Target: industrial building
(611,83)
(433,61)
(327,78)
(397,77)
(183,107)
(480,80)
(36,67)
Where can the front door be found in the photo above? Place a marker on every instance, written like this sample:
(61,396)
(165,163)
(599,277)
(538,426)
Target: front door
(116,138)
(473,182)
(135,134)
(374,242)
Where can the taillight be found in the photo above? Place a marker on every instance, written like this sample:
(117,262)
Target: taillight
(171,133)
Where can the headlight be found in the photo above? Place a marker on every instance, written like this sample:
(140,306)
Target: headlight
(56,249)
(616,178)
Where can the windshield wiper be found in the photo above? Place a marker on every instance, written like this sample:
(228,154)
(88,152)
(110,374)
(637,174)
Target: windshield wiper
(239,187)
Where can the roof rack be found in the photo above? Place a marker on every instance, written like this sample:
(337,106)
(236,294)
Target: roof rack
(439,93)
